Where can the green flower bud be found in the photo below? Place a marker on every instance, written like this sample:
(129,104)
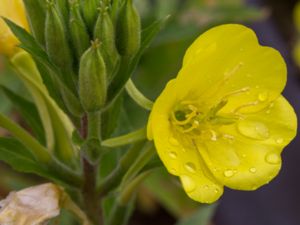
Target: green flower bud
(90,12)
(92,79)
(128,30)
(63,8)
(78,30)
(57,46)
(36,10)
(105,31)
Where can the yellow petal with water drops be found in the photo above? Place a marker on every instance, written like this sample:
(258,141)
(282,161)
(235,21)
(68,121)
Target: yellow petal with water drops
(163,105)
(227,63)
(179,156)
(246,155)
(13,10)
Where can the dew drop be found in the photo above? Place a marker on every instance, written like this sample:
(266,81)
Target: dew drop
(244,155)
(228,173)
(279,140)
(273,158)
(173,171)
(217,190)
(263,96)
(268,111)
(252,170)
(173,141)
(206,187)
(188,183)
(190,167)
(173,155)
(255,130)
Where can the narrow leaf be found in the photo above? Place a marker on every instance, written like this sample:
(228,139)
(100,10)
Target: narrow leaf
(29,113)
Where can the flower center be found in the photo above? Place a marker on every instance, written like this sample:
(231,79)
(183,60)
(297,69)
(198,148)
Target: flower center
(187,118)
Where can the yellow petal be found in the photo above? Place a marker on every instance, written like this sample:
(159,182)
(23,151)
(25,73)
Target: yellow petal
(13,10)
(180,160)
(247,155)
(228,63)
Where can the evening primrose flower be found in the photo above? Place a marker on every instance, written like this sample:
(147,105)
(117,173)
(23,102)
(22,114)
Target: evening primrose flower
(13,10)
(31,206)
(223,121)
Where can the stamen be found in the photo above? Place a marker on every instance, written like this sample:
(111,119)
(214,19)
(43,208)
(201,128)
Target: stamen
(237,92)
(194,126)
(233,71)
(245,106)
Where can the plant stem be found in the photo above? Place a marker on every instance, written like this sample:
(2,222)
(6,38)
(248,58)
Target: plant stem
(91,201)
(91,130)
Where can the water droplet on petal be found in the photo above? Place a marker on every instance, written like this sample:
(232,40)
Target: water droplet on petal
(173,141)
(255,130)
(263,96)
(279,140)
(273,158)
(188,183)
(228,173)
(244,155)
(173,155)
(190,167)
(217,190)
(252,170)
(268,111)
(206,187)
(173,171)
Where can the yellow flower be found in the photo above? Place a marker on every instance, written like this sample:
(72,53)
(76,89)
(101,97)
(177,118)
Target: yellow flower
(13,10)
(222,121)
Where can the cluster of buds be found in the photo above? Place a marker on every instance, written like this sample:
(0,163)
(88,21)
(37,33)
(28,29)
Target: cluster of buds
(99,36)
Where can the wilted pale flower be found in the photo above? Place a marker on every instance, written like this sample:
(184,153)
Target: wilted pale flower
(222,121)
(31,206)
(13,10)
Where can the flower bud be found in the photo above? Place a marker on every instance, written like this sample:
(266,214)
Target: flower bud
(58,47)
(92,79)
(13,10)
(78,30)
(90,12)
(31,206)
(36,10)
(128,30)
(63,8)
(105,31)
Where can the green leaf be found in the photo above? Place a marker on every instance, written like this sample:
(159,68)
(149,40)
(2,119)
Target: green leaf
(202,216)
(29,113)
(47,69)
(15,154)
(126,69)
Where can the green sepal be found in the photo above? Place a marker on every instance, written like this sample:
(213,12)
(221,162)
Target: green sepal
(78,30)
(36,11)
(90,12)
(128,30)
(63,8)
(58,48)
(92,79)
(105,32)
